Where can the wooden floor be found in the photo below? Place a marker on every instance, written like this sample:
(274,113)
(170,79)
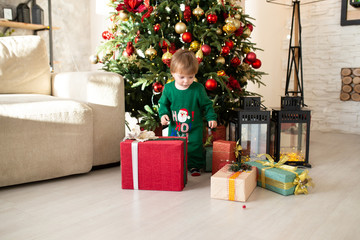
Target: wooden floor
(93,206)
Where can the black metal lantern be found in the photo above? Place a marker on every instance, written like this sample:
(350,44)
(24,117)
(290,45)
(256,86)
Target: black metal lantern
(290,132)
(355,3)
(251,125)
(23,13)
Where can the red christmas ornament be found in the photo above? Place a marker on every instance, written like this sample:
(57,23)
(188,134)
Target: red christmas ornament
(239,31)
(251,57)
(244,206)
(157,27)
(136,39)
(210,84)
(132,6)
(249,26)
(158,87)
(246,61)
(235,61)
(256,64)
(229,44)
(206,49)
(187,37)
(212,18)
(187,13)
(130,48)
(225,50)
(107,35)
(233,84)
(163,45)
(172,48)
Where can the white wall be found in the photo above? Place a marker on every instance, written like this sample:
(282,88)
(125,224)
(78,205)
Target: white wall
(99,23)
(326,46)
(269,33)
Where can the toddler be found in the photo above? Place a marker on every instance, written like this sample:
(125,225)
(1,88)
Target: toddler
(183,105)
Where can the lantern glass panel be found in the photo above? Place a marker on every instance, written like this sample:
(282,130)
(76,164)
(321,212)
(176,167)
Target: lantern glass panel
(293,141)
(253,139)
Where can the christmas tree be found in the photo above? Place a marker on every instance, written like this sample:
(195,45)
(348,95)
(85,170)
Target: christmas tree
(143,35)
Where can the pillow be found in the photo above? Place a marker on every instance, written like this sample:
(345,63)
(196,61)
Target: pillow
(24,65)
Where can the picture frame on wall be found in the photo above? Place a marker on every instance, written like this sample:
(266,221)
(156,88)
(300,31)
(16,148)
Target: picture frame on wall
(8,13)
(349,14)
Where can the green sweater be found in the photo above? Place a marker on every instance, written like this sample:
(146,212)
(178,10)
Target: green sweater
(186,109)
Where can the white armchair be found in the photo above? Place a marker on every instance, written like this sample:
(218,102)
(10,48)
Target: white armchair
(53,126)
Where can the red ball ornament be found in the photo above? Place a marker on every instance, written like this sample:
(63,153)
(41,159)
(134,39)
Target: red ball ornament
(187,13)
(229,44)
(163,45)
(239,31)
(235,61)
(256,64)
(187,37)
(157,27)
(246,61)
(136,40)
(130,48)
(251,57)
(244,206)
(158,87)
(172,48)
(249,26)
(225,50)
(210,84)
(206,49)
(212,18)
(107,35)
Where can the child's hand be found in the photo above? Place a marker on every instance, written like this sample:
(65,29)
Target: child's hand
(212,124)
(165,120)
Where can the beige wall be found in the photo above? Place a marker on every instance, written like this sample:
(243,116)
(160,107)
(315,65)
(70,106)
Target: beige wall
(269,34)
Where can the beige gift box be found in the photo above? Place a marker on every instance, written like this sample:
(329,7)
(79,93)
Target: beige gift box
(233,186)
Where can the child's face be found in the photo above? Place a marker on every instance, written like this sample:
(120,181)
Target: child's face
(183,81)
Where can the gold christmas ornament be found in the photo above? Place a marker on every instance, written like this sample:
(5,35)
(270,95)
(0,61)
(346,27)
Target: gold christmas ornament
(151,53)
(198,12)
(234,21)
(247,33)
(229,20)
(221,73)
(220,60)
(237,16)
(219,31)
(199,55)
(246,50)
(229,28)
(237,23)
(123,16)
(245,66)
(180,27)
(166,58)
(194,46)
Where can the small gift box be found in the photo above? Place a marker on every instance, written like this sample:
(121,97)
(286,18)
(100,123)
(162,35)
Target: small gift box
(281,178)
(233,186)
(157,164)
(224,152)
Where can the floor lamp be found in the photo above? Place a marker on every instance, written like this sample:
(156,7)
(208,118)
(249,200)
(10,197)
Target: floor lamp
(294,66)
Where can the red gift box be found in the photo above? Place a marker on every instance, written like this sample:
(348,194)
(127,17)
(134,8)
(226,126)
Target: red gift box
(161,164)
(223,153)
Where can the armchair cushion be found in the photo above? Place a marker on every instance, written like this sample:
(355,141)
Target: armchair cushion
(24,65)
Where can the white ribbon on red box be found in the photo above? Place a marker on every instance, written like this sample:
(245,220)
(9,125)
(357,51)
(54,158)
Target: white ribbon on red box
(135,166)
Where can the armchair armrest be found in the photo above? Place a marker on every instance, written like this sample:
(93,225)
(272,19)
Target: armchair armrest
(104,93)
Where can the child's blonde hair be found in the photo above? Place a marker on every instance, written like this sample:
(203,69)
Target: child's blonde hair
(184,62)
